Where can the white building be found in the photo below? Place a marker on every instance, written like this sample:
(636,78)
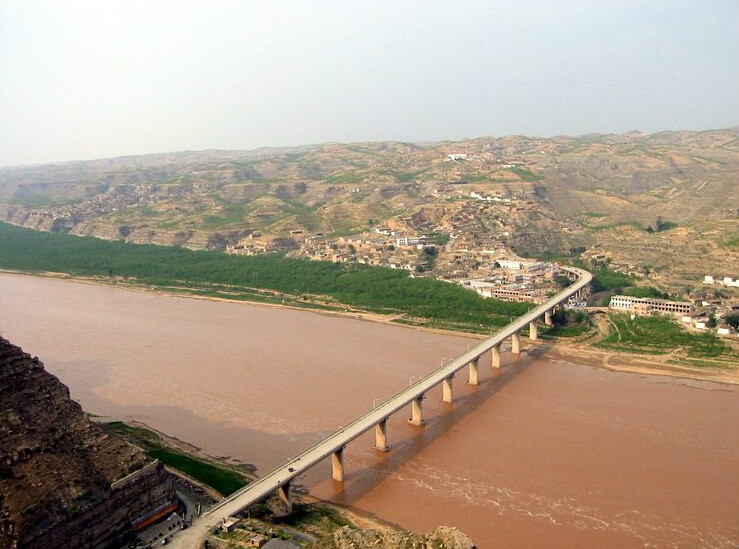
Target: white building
(511,264)
(726,281)
(410,240)
(644,305)
(519,265)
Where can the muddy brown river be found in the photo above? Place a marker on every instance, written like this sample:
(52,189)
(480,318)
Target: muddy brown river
(544,454)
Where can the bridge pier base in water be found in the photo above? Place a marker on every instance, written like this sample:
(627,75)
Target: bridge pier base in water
(417,411)
(473,372)
(516,343)
(381,436)
(337,465)
(446,390)
(495,356)
(284,492)
(533,330)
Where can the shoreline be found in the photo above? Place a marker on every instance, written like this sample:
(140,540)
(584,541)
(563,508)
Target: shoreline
(360,518)
(564,349)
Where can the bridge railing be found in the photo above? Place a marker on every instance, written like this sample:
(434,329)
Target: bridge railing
(347,433)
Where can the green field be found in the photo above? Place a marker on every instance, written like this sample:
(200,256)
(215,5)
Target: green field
(658,335)
(225,481)
(372,289)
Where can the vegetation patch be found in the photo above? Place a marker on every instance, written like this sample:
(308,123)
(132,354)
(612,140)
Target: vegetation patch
(527,175)
(661,226)
(605,279)
(634,224)
(373,289)
(645,291)
(567,323)
(225,481)
(730,242)
(660,335)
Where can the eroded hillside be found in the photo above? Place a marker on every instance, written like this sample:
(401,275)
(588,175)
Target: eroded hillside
(648,201)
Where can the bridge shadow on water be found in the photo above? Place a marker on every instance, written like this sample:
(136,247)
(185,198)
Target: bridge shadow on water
(407,441)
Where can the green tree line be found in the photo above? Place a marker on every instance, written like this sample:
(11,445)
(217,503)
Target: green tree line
(371,288)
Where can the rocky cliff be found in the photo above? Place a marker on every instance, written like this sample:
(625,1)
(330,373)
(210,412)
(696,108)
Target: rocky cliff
(64,482)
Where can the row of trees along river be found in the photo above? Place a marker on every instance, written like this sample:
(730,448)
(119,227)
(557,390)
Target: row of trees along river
(373,289)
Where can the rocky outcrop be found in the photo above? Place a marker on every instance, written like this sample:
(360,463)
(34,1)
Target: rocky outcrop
(444,537)
(64,482)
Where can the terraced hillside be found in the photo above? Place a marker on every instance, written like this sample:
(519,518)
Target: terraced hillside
(655,202)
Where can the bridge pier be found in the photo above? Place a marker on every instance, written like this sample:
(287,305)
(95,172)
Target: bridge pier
(495,356)
(516,343)
(381,436)
(337,465)
(548,318)
(284,492)
(533,330)
(473,372)
(446,390)
(417,411)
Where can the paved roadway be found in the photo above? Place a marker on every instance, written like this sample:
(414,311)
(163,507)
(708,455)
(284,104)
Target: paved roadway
(193,537)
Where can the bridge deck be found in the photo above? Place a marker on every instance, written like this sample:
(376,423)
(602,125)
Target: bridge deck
(297,465)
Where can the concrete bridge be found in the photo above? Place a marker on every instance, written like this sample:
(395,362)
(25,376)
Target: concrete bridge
(280,479)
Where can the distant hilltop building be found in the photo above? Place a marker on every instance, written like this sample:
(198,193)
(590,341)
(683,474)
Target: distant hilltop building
(478,196)
(454,157)
(410,240)
(727,281)
(520,265)
(646,305)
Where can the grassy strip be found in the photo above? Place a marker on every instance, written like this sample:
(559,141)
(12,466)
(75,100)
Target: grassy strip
(225,481)
(568,330)
(370,288)
(660,335)
(645,291)
(527,175)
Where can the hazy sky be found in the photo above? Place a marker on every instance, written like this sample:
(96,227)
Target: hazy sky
(81,80)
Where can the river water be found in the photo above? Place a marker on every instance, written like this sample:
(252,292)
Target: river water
(542,454)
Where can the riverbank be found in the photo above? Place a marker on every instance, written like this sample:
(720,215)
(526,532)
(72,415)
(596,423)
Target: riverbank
(636,364)
(542,453)
(313,522)
(564,349)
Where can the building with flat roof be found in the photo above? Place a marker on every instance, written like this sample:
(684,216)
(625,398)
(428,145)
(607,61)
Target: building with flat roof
(646,305)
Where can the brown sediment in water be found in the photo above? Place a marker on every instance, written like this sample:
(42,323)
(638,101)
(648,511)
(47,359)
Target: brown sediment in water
(545,453)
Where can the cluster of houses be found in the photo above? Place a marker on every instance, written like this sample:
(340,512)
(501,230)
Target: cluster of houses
(515,279)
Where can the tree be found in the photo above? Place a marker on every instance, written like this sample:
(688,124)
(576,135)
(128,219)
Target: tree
(732,319)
